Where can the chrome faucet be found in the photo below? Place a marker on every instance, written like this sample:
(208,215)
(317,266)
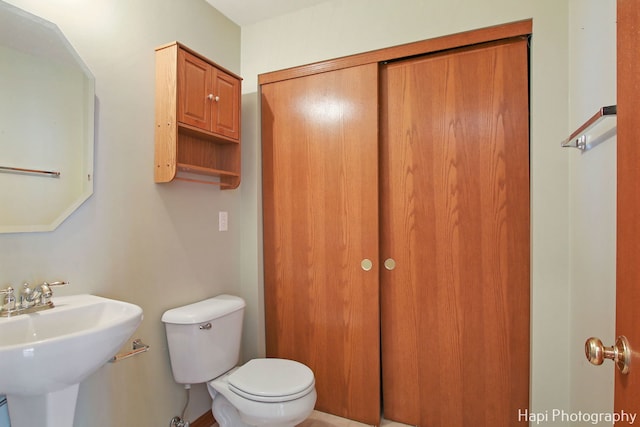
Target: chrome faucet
(31,299)
(28,297)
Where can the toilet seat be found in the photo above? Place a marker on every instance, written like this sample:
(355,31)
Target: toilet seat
(271,380)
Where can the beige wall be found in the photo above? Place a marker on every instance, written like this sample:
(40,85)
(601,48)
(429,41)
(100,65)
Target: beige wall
(154,245)
(343,27)
(592,45)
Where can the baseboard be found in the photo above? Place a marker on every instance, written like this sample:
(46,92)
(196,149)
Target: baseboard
(205,420)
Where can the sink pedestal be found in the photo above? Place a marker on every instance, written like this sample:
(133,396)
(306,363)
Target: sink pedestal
(55,409)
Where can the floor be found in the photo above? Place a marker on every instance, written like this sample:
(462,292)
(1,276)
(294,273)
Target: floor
(321,419)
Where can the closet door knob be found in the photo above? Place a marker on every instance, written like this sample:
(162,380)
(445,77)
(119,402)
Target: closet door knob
(389,264)
(366,264)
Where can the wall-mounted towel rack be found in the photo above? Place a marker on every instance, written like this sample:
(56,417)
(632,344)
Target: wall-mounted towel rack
(138,347)
(8,169)
(578,139)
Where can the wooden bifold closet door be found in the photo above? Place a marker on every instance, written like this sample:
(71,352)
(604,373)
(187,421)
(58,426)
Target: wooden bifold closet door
(396,234)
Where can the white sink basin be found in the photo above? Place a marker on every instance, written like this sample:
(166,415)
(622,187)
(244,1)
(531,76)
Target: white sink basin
(48,351)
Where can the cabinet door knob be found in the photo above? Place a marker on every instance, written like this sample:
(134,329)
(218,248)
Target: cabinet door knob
(366,264)
(210,96)
(217,98)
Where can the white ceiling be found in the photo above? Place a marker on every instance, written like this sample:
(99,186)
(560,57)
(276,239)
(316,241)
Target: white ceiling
(244,12)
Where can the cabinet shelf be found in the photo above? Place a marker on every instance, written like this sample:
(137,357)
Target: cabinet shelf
(197,135)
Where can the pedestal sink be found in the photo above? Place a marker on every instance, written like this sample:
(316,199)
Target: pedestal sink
(45,355)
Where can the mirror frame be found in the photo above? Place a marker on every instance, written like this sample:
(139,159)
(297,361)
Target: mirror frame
(47,41)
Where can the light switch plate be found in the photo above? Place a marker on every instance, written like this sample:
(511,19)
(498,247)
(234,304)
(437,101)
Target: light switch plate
(223,221)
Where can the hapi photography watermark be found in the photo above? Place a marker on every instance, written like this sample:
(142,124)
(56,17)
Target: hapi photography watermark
(560,415)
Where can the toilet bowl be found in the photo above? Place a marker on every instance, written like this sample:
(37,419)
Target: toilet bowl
(264,392)
(204,347)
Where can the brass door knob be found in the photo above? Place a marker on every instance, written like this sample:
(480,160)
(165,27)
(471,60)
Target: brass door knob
(596,352)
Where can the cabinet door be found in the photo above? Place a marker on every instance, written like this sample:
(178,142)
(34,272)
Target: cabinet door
(226,105)
(455,218)
(320,175)
(194,91)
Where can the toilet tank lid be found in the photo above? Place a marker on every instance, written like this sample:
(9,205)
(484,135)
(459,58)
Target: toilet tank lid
(203,311)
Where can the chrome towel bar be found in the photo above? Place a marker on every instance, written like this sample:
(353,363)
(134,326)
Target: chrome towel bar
(138,348)
(578,139)
(9,169)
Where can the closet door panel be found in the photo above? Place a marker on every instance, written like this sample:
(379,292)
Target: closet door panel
(320,198)
(455,218)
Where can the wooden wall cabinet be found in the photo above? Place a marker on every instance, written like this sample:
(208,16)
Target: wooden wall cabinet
(197,119)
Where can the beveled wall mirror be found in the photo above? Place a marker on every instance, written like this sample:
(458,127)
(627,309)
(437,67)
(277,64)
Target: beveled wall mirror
(46,124)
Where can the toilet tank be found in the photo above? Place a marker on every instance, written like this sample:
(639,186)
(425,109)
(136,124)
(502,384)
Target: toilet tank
(204,338)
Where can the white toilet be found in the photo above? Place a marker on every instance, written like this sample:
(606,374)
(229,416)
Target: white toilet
(204,346)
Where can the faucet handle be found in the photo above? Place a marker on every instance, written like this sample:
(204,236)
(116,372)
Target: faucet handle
(45,288)
(58,283)
(9,299)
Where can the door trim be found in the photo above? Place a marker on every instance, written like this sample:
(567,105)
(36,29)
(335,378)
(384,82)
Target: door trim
(627,387)
(466,38)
